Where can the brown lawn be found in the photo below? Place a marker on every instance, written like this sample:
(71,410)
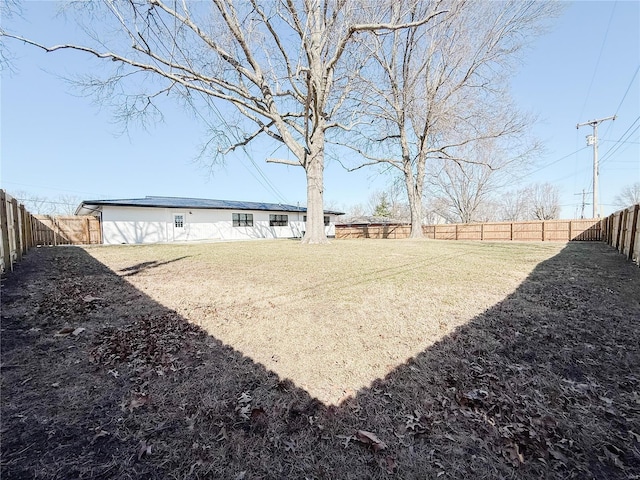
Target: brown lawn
(267,359)
(330,319)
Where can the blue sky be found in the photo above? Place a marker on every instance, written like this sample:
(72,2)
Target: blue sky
(55,141)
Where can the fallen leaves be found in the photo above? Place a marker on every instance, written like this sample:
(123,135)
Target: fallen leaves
(66,331)
(371,439)
(137,401)
(144,449)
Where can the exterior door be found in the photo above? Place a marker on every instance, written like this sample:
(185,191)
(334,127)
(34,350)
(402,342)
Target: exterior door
(179,227)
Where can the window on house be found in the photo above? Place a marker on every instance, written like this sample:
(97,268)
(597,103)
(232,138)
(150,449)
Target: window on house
(326,220)
(178,221)
(278,220)
(243,219)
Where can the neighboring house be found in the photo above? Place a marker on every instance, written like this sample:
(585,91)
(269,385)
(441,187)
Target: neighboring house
(173,219)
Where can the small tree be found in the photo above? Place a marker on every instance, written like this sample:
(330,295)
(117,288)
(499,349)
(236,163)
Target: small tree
(382,208)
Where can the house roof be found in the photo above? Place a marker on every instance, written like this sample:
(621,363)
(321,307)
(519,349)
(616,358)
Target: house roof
(180,202)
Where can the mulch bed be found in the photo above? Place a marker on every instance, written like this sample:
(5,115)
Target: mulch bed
(101,381)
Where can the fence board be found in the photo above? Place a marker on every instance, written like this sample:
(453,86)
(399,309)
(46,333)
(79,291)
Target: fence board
(15,240)
(66,230)
(621,232)
(547,230)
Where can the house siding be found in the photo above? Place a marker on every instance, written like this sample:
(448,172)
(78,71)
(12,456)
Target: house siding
(132,225)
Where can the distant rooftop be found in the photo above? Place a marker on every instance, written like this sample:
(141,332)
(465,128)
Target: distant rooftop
(180,202)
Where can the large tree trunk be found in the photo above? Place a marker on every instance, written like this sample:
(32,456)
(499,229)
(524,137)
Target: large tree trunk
(314,231)
(414,192)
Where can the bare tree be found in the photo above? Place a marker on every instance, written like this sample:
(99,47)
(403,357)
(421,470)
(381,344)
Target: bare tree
(515,205)
(64,204)
(629,195)
(460,191)
(440,87)
(466,189)
(287,67)
(35,204)
(545,201)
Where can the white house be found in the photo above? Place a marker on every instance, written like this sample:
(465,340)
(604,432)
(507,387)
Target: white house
(172,219)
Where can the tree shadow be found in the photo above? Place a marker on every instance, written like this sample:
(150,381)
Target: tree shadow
(141,267)
(542,385)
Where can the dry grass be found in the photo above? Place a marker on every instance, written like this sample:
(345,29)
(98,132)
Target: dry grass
(467,360)
(331,319)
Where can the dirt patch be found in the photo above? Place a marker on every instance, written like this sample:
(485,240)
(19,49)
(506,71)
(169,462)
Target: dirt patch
(101,380)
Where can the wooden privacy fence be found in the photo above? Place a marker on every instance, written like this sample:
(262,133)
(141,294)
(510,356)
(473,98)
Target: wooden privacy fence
(66,230)
(15,226)
(535,230)
(620,230)
(21,231)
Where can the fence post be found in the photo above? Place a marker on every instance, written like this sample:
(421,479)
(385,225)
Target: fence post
(456,231)
(16,229)
(617,245)
(23,229)
(633,230)
(625,219)
(543,230)
(88,237)
(511,235)
(4,225)
(570,225)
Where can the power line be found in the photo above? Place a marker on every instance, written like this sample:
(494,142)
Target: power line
(620,142)
(268,184)
(623,98)
(549,164)
(595,70)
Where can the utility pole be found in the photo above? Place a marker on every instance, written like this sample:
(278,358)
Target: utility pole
(593,140)
(584,199)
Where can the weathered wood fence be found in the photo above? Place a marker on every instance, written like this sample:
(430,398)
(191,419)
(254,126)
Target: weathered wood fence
(538,230)
(621,231)
(66,230)
(21,231)
(15,224)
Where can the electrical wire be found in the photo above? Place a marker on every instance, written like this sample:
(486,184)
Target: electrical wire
(595,70)
(266,183)
(623,98)
(549,164)
(620,142)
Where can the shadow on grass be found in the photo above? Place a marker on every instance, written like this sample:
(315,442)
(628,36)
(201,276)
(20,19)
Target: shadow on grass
(542,385)
(144,266)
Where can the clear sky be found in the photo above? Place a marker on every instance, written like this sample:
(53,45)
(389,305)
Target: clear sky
(56,141)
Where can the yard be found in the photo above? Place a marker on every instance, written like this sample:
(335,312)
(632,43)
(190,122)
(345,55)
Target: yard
(362,359)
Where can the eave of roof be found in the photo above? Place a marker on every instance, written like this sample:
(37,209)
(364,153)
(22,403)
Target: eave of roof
(203,203)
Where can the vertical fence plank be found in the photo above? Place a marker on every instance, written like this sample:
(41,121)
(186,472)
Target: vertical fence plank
(633,233)
(7,260)
(16,228)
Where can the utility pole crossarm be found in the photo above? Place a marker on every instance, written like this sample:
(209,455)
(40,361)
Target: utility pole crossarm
(594,123)
(593,140)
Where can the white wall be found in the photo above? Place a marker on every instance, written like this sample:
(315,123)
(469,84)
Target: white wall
(152,225)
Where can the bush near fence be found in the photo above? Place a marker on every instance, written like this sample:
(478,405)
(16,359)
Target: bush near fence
(547,230)
(22,231)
